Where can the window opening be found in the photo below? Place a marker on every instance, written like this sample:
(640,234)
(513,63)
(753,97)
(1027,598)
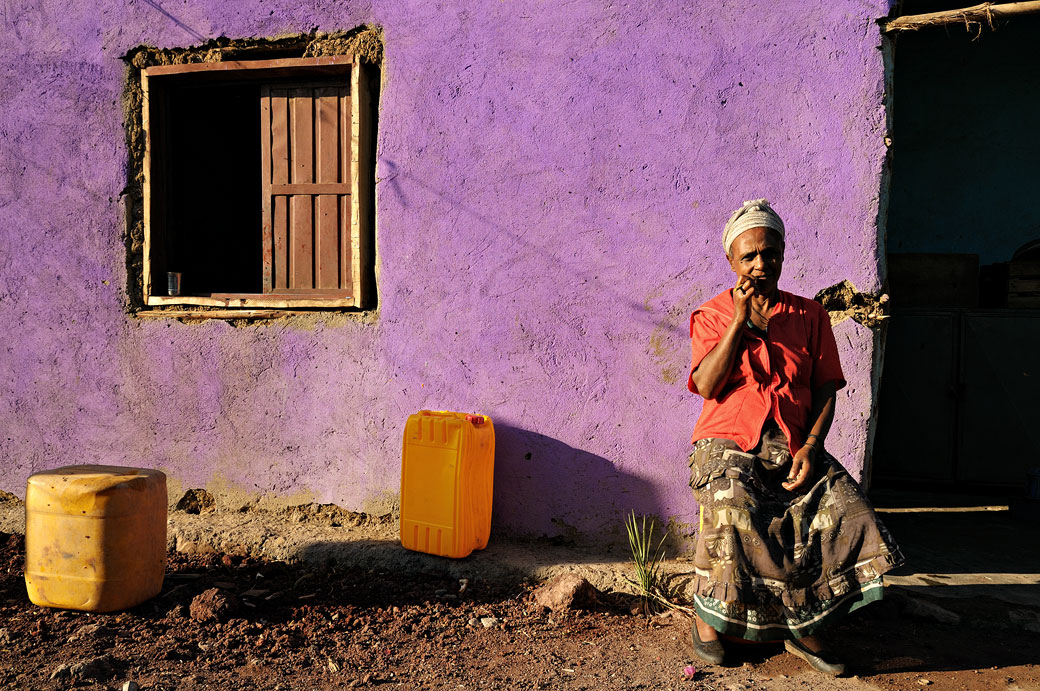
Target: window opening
(258,185)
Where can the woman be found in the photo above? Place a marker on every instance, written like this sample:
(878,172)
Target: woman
(787,539)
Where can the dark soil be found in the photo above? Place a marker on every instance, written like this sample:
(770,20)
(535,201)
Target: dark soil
(270,625)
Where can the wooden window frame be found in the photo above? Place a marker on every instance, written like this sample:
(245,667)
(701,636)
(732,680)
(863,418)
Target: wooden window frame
(361,186)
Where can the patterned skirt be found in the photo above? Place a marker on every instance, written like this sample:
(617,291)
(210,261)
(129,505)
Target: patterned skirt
(773,564)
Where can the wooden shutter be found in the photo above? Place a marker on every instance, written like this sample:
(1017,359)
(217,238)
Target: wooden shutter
(306,135)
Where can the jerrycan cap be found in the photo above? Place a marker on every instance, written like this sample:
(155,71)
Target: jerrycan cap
(475,419)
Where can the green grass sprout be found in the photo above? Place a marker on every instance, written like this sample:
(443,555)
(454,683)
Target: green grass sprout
(647,560)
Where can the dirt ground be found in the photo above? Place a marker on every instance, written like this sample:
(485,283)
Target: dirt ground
(229,619)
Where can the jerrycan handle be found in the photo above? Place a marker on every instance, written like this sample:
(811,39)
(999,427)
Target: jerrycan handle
(475,419)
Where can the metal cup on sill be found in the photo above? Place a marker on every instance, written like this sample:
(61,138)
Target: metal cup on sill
(173,282)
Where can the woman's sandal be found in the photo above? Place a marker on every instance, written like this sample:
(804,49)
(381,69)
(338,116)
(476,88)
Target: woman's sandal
(821,661)
(709,651)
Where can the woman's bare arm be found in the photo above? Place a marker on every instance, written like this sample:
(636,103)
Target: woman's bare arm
(821,415)
(714,369)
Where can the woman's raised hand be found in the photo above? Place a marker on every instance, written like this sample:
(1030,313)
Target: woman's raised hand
(742,299)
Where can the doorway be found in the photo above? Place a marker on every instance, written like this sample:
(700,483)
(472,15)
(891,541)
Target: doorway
(960,385)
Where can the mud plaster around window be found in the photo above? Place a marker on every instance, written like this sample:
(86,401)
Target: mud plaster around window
(366,42)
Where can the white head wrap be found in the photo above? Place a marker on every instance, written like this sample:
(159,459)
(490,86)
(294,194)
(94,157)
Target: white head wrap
(754,214)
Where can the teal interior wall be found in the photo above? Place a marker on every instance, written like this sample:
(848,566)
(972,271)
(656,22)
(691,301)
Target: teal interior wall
(966,166)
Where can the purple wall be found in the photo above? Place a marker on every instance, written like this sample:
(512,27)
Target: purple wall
(554,181)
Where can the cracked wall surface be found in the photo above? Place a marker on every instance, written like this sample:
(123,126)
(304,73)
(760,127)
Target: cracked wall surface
(552,184)
(842,301)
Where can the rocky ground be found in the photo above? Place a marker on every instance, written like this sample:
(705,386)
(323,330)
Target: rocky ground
(232,621)
(314,597)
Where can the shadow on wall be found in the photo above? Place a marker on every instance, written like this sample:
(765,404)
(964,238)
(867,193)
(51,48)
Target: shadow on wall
(560,501)
(546,488)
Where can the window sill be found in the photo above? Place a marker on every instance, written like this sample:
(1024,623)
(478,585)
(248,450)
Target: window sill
(248,301)
(199,315)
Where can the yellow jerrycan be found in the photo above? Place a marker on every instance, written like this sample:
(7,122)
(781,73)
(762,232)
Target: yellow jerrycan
(447,473)
(95,537)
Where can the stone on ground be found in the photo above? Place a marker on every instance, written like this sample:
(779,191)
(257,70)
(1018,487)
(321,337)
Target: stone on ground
(213,604)
(94,668)
(196,501)
(567,591)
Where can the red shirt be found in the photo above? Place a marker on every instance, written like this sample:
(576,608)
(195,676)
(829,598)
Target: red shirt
(772,377)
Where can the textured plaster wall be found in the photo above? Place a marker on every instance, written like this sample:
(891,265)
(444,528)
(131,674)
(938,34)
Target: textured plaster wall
(553,181)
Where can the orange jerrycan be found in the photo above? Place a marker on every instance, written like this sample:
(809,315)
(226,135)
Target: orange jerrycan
(447,473)
(95,537)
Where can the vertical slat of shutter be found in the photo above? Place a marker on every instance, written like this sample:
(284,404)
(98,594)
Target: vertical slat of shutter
(280,222)
(301,239)
(327,263)
(345,162)
(265,175)
(326,238)
(279,175)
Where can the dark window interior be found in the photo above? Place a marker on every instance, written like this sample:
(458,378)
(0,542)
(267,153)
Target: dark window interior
(213,235)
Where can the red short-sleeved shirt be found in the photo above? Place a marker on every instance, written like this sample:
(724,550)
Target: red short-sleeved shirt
(771,378)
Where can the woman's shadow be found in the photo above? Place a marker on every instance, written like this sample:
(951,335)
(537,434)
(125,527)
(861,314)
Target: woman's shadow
(553,492)
(553,504)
